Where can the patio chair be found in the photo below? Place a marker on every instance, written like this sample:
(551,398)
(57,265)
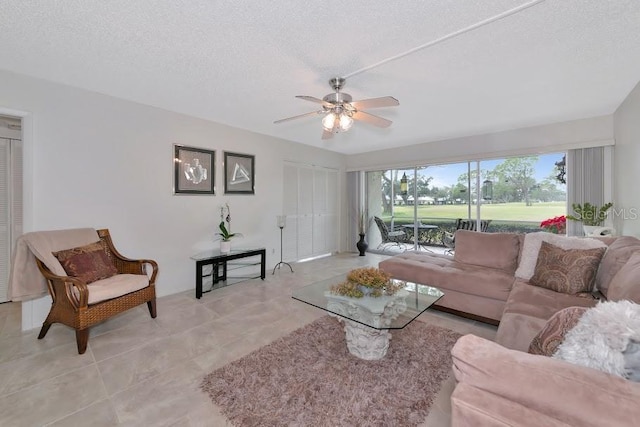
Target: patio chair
(90,283)
(449,239)
(395,237)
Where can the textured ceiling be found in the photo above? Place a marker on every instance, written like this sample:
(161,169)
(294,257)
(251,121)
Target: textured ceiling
(242,62)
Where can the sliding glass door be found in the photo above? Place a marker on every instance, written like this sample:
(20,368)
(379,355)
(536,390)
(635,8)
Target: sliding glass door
(425,202)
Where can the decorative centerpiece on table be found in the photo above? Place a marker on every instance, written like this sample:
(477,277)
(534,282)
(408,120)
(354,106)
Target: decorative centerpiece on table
(225,230)
(368,281)
(555,225)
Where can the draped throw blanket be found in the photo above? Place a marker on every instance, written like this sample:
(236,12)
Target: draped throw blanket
(26,282)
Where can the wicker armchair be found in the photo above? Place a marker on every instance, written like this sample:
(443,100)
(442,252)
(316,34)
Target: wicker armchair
(71,296)
(449,239)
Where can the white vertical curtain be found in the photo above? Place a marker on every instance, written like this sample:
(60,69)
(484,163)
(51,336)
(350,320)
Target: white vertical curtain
(355,196)
(585,181)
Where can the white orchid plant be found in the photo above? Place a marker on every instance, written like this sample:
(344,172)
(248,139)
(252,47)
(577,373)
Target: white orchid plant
(225,230)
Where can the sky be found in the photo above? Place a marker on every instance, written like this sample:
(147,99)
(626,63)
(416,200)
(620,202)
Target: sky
(447,175)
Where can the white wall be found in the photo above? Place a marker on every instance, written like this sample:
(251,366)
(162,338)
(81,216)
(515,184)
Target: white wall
(97,161)
(627,161)
(539,139)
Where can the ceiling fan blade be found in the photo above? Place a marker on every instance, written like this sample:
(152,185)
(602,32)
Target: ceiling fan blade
(385,101)
(316,100)
(371,119)
(326,134)
(313,113)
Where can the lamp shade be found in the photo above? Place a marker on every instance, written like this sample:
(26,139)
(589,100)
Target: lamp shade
(345,122)
(282,221)
(329,121)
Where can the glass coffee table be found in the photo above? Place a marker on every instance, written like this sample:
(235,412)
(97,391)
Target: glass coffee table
(368,320)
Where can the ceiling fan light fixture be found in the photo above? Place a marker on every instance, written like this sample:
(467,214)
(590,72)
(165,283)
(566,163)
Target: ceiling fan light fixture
(329,121)
(340,110)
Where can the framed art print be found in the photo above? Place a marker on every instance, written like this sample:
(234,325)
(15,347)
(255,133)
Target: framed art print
(193,170)
(239,173)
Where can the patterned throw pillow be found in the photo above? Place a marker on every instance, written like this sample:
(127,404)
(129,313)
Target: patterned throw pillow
(88,263)
(570,271)
(533,241)
(551,336)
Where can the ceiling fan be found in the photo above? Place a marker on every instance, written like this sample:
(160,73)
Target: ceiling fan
(340,111)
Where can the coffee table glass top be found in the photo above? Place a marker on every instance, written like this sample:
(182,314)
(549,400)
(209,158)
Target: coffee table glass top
(417,297)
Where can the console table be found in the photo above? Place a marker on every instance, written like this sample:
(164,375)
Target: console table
(217,259)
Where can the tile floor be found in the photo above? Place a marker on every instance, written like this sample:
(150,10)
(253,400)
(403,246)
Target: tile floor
(139,371)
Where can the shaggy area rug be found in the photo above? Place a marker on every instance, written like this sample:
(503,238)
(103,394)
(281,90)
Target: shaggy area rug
(308,378)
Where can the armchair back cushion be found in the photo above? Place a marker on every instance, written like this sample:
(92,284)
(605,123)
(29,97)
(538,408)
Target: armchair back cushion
(88,263)
(44,243)
(495,250)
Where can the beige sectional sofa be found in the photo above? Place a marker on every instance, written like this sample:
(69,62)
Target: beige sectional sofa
(476,281)
(499,383)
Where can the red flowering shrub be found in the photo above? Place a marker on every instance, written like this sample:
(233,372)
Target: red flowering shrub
(556,225)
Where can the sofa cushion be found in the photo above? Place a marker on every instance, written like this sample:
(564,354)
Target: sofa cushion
(572,395)
(88,263)
(533,241)
(614,258)
(546,342)
(444,272)
(527,311)
(494,250)
(626,283)
(569,271)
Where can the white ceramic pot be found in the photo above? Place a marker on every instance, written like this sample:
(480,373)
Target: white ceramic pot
(225,247)
(596,230)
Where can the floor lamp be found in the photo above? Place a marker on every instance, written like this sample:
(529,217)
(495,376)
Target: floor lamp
(282,221)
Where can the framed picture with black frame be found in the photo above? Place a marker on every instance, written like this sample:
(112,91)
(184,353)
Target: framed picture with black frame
(239,173)
(193,170)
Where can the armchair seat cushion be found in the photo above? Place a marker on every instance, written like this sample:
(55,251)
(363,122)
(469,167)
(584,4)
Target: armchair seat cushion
(115,286)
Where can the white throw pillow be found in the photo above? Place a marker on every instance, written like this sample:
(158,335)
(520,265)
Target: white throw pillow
(607,338)
(533,241)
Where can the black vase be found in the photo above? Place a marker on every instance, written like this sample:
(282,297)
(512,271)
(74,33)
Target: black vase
(362,245)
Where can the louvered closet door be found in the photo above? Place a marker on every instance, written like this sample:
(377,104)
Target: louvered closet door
(305,212)
(10,206)
(5,219)
(290,209)
(16,192)
(310,202)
